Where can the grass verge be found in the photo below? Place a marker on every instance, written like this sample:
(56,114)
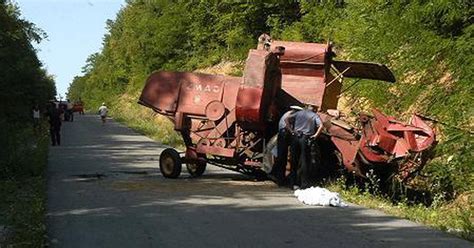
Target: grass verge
(23,208)
(23,193)
(456,217)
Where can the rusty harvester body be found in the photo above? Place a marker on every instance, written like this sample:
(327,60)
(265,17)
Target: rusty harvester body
(232,121)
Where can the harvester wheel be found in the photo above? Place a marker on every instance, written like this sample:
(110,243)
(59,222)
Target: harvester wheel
(170,163)
(197,168)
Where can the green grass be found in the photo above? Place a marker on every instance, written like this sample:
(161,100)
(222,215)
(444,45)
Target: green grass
(23,189)
(456,217)
(23,211)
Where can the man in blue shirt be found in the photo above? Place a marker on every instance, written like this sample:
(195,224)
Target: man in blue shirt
(307,127)
(285,129)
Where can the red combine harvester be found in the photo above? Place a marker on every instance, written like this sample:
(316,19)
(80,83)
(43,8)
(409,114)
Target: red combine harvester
(232,122)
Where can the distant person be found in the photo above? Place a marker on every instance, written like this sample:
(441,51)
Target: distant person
(103,110)
(307,128)
(70,110)
(285,130)
(36,116)
(62,110)
(81,106)
(54,116)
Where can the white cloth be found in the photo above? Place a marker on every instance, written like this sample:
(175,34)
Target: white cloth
(103,110)
(36,114)
(319,196)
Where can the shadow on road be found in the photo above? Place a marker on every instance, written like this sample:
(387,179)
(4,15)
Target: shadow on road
(105,190)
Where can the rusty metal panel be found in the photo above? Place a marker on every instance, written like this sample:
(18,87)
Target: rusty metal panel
(188,93)
(302,69)
(255,68)
(302,52)
(198,90)
(348,151)
(220,151)
(344,139)
(384,137)
(262,79)
(178,121)
(161,91)
(383,141)
(305,89)
(231,89)
(249,104)
(423,139)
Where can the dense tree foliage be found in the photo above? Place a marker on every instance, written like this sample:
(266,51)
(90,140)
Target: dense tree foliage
(427,43)
(23,84)
(151,35)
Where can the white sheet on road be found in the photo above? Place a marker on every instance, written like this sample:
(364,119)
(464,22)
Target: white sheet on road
(319,196)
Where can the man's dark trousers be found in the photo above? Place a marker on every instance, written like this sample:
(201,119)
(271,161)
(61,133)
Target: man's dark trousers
(301,161)
(55,132)
(284,139)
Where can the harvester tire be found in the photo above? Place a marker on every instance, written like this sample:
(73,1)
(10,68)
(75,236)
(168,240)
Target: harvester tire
(170,163)
(197,169)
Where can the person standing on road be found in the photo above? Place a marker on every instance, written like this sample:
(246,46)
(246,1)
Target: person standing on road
(307,128)
(103,110)
(54,116)
(81,106)
(70,110)
(36,116)
(285,130)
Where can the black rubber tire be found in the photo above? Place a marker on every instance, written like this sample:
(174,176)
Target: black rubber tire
(198,168)
(170,163)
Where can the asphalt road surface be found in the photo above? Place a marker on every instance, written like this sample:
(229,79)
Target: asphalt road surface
(105,190)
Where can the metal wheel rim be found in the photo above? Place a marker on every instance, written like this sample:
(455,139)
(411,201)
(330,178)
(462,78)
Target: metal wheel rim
(167,165)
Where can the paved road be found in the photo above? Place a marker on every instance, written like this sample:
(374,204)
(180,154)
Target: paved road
(104,190)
